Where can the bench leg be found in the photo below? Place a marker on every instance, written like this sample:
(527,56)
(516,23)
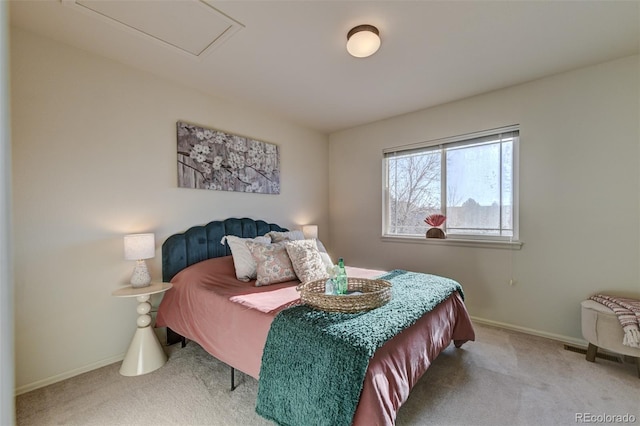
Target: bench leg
(233,379)
(592,351)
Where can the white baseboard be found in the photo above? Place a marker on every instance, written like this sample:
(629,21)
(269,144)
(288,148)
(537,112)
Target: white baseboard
(68,374)
(581,343)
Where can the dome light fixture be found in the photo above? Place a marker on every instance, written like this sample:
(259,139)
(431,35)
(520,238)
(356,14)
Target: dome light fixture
(363,41)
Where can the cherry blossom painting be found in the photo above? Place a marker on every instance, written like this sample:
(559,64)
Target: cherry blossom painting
(212,159)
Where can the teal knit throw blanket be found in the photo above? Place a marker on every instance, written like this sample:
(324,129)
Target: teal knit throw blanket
(314,362)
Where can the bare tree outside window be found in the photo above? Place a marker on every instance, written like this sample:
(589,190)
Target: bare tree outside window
(414,186)
(478,174)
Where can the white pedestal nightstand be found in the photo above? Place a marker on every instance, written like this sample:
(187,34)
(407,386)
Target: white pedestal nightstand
(145,353)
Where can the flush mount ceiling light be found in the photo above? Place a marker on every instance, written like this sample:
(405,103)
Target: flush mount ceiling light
(363,41)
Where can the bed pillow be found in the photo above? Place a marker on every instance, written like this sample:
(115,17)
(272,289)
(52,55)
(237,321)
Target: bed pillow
(326,259)
(306,260)
(272,263)
(242,258)
(277,237)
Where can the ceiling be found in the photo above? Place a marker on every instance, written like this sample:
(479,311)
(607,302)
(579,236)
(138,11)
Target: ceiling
(289,57)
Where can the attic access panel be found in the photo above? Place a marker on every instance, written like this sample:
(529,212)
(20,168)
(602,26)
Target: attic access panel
(192,26)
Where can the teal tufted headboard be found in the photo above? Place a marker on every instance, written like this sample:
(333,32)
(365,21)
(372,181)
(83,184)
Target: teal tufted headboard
(203,242)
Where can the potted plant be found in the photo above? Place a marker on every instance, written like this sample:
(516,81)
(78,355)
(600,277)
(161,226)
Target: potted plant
(435,220)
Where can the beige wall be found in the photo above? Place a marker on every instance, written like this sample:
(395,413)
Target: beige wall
(579,197)
(7,408)
(94,158)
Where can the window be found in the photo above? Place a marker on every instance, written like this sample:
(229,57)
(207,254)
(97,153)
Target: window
(471,179)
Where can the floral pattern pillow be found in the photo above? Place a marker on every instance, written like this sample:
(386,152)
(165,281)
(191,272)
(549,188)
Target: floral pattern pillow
(277,237)
(272,263)
(306,260)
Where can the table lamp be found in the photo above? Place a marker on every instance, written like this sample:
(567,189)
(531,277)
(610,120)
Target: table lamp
(139,247)
(310,231)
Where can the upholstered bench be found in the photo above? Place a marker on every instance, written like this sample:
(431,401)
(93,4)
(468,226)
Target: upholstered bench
(601,328)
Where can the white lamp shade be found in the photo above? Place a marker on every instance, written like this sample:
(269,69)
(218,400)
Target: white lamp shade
(363,41)
(139,246)
(310,231)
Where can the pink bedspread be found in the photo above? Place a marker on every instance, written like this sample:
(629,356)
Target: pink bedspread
(230,319)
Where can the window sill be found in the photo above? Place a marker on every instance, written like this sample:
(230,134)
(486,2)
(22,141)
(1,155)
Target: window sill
(459,242)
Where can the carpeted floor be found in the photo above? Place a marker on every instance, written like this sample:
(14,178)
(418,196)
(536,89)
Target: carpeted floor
(504,378)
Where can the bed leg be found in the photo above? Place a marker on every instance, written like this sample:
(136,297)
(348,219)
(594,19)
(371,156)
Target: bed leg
(592,352)
(233,379)
(173,337)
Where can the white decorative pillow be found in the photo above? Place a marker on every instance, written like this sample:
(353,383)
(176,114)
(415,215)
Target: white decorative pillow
(242,258)
(272,263)
(326,259)
(277,236)
(306,260)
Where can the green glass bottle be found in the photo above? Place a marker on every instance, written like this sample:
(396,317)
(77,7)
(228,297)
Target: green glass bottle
(342,283)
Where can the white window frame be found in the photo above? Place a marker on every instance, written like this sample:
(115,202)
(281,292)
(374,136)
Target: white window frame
(456,239)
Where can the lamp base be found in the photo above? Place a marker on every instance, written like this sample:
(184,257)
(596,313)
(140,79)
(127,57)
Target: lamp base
(140,276)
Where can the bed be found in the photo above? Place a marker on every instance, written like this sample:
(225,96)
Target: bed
(231,319)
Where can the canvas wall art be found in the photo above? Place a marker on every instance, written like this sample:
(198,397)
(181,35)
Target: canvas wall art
(212,159)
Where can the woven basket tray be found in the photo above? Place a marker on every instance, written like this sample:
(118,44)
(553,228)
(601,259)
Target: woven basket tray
(375,293)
